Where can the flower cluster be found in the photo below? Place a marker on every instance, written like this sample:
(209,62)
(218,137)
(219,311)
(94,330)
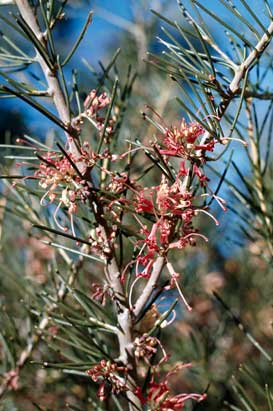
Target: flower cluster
(159,396)
(62,182)
(146,346)
(93,106)
(174,202)
(183,141)
(108,373)
(63,174)
(169,204)
(169,209)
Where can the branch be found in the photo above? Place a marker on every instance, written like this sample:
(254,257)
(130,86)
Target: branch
(244,67)
(150,286)
(54,86)
(51,78)
(240,73)
(234,87)
(124,317)
(254,55)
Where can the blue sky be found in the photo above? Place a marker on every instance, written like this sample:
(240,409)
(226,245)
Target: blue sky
(100,35)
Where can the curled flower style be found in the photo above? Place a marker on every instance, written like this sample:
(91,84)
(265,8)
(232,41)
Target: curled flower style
(107,372)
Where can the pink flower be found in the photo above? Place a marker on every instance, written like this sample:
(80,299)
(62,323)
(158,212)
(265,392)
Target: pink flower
(93,106)
(62,182)
(180,142)
(94,103)
(143,204)
(12,378)
(109,372)
(159,396)
(172,200)
(165,230)
(146,347)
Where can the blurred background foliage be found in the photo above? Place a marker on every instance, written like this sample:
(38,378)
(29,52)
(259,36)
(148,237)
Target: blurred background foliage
(228,282)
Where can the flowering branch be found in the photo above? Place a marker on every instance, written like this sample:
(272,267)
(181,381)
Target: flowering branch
(91,185)
(112,270)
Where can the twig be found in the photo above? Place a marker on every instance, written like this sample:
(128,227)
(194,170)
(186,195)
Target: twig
(240,73)
(254,55)
(150,286)
(54,87)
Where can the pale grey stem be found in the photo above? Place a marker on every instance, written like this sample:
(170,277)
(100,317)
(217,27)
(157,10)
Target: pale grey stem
(125,333)
(240,73)
(150,286)
(254,55)
(52,81)
(54,87)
